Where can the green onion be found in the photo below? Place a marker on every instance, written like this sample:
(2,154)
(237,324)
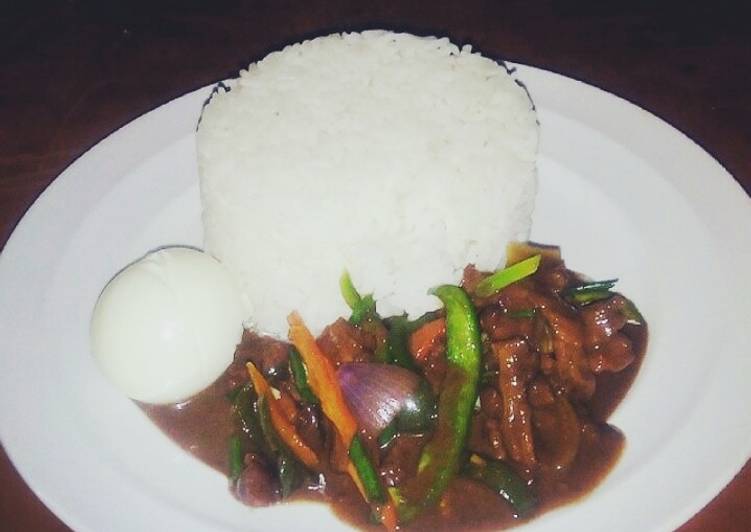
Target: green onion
(632,313)
(290,474)
(590,296)
(593,285)
(363,308)
(300,377)
(236,457)
(245,408)
(502,278)
(502,479)
(366,471)
(519,314)
(290,471)
(586,293)
(349,292)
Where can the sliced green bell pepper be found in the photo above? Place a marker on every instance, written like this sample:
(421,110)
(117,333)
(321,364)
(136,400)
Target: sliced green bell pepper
(441,457)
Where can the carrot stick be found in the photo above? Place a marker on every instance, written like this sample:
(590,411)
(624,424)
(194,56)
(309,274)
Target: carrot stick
(322,379)
(389,516)
(287,405)
(286,430)
(425,337)
(325,385)
(260,384)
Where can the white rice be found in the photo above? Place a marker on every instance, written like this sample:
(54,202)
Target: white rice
(398,158)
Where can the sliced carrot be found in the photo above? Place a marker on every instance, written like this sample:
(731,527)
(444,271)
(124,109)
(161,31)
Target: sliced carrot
(424,338)
(389,516)
(286,430)
(287,405)
(322,379)
(260,384)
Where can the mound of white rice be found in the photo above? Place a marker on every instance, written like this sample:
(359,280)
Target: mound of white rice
(396,157)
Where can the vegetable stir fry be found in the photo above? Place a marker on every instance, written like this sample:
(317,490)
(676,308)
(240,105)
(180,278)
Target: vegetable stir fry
(485,412)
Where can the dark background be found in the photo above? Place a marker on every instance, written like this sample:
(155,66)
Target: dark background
(72,72)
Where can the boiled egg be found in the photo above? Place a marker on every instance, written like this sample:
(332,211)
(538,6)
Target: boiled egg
(166,326)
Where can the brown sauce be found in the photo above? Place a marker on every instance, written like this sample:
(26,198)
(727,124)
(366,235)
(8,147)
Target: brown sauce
(612,387)
(203,425)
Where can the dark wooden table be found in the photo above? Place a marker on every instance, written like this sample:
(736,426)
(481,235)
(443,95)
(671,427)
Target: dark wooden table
(73,71)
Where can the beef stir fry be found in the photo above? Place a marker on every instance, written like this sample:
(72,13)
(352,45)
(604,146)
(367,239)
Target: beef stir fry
(482,414)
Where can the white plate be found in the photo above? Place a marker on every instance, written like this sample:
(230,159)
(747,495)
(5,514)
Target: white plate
(625,195)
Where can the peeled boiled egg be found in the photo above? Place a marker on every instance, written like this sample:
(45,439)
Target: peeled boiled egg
(166,326)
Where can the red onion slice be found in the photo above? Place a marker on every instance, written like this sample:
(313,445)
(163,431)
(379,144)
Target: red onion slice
(376,392)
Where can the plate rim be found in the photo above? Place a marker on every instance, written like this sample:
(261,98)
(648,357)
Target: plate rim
(67,178)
